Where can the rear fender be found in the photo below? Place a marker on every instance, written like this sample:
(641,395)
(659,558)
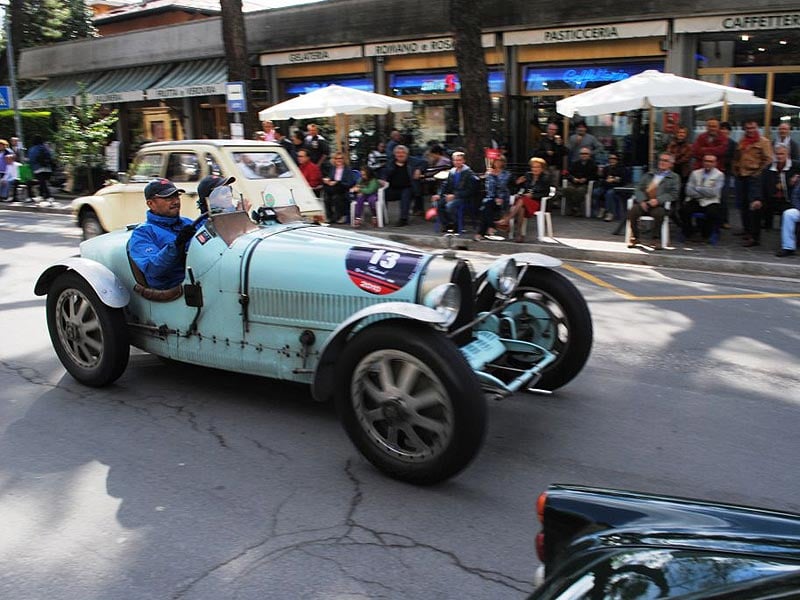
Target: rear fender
(322,386)
(106,285)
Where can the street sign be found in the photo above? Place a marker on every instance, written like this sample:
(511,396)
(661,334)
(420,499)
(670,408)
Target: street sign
(235,96)
(5,97)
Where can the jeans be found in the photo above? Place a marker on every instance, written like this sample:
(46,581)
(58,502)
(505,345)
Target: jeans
(747,190)
(789,220)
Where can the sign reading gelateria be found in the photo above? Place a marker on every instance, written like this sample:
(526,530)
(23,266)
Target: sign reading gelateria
(777,20)
(310,56)
(585,33)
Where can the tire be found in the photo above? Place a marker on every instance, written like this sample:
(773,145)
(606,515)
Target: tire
(90,225)
(424,433)
(90,338)
(560,322)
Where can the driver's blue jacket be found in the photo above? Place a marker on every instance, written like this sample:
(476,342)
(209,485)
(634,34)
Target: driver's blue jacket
(152,248)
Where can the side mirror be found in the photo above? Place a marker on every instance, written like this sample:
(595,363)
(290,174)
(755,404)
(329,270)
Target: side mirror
(122,177)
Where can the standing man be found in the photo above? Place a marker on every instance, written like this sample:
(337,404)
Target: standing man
(582,139)
(712,141)
(703,195)
(316,145)
(753,156)
(310,171)
(784,138)
(653,191)
(285,142)
(457,191)
(552,150)
(395,139)
(158,246)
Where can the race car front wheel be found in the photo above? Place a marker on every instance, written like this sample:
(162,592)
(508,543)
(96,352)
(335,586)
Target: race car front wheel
(89,337)
(410,402)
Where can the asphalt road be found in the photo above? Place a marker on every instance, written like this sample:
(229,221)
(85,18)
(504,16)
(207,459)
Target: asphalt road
(188,483)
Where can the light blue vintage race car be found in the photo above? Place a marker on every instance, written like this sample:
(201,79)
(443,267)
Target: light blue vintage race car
(407,343)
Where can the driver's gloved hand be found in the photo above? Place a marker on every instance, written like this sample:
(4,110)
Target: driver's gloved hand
(184,235)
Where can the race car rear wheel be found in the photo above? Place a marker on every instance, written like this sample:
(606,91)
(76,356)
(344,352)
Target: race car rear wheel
(548,311)
(410,402)
(89,337)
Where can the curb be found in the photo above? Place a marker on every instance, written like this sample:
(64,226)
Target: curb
(660,258)
(671,259)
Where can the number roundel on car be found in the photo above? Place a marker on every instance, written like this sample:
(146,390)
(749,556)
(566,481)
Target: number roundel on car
(381,271)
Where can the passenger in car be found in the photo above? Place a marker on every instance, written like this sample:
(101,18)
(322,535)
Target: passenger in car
(158,246)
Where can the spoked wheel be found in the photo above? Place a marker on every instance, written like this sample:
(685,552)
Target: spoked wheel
(548,311)
(89,337)
(410,403)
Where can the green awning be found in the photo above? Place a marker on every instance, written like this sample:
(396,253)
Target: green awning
(58,91)
(124,85)
(196,78)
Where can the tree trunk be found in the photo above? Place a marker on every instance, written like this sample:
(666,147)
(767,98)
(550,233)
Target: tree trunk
(234,37)
(465,17)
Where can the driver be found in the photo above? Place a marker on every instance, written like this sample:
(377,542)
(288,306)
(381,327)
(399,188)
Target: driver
(214,195)
(158,246)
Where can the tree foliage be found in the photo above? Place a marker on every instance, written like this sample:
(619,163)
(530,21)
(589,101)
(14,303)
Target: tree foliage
(82,134)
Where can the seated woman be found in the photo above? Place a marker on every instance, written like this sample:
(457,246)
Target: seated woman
(535,185)
(336,182)
(496,201)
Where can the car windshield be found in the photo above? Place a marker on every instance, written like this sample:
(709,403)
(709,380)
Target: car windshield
(261,165)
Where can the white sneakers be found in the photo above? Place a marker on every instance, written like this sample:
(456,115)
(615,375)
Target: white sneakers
(46,202)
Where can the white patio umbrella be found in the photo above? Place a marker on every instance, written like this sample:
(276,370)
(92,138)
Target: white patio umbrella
(648,90)
(335,101)
(753,101)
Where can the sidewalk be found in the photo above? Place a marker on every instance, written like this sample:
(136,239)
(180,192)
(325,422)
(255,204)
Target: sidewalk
(577,238)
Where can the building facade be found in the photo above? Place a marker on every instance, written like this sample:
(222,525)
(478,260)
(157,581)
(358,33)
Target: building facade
(168,82)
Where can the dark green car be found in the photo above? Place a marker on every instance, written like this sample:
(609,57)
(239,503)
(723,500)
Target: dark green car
(599,543)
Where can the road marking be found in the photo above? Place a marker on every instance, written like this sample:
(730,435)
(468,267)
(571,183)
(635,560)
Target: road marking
(628,296)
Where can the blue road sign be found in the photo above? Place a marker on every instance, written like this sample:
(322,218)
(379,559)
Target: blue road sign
(5,97)
(235,96)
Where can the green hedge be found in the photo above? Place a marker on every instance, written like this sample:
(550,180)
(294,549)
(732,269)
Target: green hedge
(34,122)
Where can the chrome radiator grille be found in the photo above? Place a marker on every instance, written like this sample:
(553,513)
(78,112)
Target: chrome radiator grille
(305,308)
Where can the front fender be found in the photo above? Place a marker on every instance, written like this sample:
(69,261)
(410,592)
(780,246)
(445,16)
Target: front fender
(322,385)
(106,285)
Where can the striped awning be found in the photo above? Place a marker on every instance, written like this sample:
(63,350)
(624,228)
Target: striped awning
(195,78)
(124,85)
(58,91)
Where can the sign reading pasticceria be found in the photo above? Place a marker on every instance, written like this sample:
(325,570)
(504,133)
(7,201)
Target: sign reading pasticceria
(786,20)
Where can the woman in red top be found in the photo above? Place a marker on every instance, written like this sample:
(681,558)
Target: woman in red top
(535,185)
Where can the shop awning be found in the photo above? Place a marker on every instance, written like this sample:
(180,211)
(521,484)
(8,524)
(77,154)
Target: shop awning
(196,78)
(124,85)
(58,91)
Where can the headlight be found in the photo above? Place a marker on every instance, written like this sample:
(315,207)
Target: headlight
(503,276)
(446,300)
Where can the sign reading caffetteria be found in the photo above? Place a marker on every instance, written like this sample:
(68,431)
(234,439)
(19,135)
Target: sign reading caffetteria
(585,33)
(785,20)
(310,56)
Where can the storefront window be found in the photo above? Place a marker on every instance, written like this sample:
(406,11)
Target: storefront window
(442,82)
(583,76)
(294,88)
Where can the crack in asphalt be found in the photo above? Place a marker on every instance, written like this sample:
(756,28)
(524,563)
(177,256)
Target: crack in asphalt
(328,537)
(34,377)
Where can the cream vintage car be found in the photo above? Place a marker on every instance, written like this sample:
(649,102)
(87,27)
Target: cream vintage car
(264,171)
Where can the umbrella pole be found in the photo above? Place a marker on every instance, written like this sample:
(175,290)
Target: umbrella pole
(651,143)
